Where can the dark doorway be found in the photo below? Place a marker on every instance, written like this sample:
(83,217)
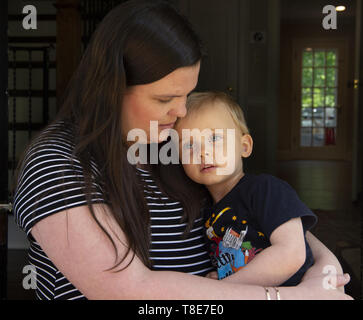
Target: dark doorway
(317,138)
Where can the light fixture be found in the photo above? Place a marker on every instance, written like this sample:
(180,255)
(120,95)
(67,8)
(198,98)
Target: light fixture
(340,8)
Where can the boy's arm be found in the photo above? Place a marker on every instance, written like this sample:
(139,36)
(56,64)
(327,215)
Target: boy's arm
(277,263)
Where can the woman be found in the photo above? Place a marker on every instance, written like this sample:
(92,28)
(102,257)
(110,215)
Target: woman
(99,227)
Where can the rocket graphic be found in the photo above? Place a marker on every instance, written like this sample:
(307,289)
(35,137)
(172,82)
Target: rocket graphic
(246,256)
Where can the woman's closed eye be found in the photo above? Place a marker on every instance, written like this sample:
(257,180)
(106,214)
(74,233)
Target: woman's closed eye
(165,100)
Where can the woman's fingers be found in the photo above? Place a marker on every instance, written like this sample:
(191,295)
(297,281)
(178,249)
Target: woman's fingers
(326,287)
(343,279)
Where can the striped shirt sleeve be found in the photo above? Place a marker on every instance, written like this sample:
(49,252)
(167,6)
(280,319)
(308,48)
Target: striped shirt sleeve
(51,181)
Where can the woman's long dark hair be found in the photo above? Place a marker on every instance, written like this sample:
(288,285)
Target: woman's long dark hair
(138,42)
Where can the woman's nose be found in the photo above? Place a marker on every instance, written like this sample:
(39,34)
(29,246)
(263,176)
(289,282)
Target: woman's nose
(179,110)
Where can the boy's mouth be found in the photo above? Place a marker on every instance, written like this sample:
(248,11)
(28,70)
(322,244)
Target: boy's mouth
(207,167)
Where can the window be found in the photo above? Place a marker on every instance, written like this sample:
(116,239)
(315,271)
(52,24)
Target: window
(319,89)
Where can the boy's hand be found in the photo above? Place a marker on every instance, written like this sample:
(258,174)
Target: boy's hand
(212,275)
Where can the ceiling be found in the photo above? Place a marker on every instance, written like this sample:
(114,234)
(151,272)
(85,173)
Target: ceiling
(302,10)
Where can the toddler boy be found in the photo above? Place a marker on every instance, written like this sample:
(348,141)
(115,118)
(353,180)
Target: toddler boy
(256,225)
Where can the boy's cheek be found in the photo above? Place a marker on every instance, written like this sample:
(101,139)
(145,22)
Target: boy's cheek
(191,171)
(222,156)
(185,158)
(228,168)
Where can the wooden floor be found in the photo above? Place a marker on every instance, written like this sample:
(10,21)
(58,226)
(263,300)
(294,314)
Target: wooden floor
(325,186)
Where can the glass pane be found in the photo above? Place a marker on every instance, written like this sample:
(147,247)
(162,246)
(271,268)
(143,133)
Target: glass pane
(318,117)
(331,97)
(305,137)
(330,136)
(318,97)
(307,59)
(318,137)
(330,117)
(331,77)
(22,139)
(319,77)
(306,117)
(319,59)
(319,113)
(306,98)
(331,58)
(307,77)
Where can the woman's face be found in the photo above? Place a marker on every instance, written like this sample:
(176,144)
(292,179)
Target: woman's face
(162,101)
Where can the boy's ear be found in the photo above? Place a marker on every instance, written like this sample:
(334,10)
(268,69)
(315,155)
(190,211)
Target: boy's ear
(247,145)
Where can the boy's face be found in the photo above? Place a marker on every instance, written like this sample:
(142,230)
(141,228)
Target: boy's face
(215,154)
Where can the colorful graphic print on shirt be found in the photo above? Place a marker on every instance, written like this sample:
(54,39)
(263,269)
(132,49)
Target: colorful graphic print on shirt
(228,250)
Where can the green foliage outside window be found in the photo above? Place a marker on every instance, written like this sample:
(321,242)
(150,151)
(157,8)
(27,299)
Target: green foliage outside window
(319,76)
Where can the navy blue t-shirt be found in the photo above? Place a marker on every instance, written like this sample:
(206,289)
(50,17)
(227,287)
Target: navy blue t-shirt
(239,226)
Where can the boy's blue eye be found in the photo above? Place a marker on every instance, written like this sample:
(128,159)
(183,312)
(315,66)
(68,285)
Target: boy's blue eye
(215,138)
(188,146)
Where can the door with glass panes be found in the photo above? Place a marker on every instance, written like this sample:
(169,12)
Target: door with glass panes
(320,108)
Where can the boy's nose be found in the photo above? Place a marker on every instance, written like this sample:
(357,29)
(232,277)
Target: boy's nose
(206,154)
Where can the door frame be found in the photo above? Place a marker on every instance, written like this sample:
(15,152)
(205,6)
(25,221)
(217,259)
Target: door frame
(341,151)
(3,146)
(357,163)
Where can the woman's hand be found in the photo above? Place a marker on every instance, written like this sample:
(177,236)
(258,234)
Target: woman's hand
(323,288)
(325,261)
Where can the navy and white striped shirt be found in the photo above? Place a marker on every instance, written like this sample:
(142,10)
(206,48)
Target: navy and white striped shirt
(49,167)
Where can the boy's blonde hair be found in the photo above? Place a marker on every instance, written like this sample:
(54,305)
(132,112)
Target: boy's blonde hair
(198,99)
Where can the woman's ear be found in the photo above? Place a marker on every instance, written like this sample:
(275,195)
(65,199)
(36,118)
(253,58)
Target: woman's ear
(247,145)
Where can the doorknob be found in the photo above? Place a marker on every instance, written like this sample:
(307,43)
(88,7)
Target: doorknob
(4,227)
(353,84)
(229,89)
(6,206)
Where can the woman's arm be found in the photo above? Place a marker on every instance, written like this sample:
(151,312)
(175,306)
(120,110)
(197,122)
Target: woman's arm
(83,253)
(325,261)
